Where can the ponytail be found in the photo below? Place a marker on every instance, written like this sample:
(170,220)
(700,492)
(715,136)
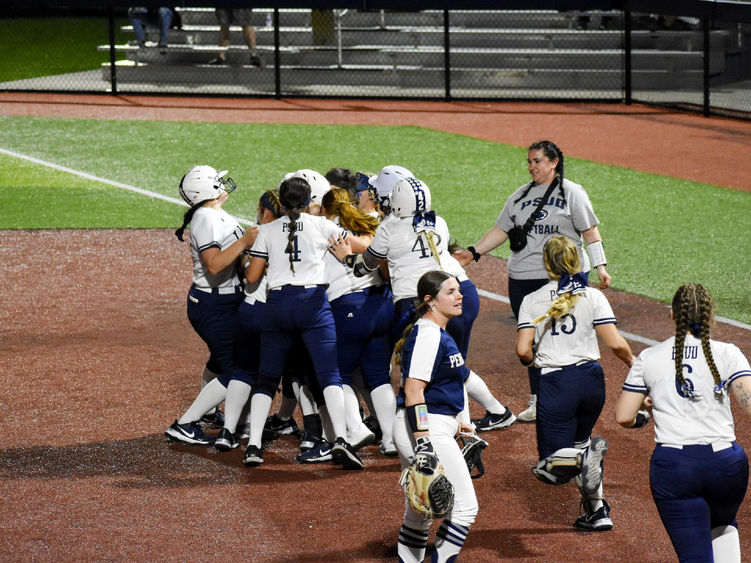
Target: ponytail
(187,218)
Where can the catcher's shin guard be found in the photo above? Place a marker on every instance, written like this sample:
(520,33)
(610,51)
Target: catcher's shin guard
(559,467)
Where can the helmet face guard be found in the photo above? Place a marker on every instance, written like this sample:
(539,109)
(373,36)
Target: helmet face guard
(203,183)
(226,183)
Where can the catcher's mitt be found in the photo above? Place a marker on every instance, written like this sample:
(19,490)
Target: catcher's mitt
(428,490)
(472,447)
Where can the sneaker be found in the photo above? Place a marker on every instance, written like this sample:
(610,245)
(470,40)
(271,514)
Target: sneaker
(277,426)
(592,465)
(319,453)
(243,431)
(597,521)
(217,61)
(388,449)
(213,420)
(530,413)
(189,433)
(226,441)
(361,437)
(257,61)
(253,456)
(345,455)
(494,421)
(308,441)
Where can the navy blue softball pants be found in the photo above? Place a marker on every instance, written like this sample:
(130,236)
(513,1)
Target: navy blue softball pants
(696,489)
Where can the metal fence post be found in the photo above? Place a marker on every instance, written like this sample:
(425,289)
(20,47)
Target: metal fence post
(277,56)
(113,68)
(628,85)
(706,25)
(446,56)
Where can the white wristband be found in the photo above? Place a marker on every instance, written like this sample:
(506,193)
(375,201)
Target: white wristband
(596,253)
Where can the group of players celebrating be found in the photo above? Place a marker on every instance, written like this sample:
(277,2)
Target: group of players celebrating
(348,274)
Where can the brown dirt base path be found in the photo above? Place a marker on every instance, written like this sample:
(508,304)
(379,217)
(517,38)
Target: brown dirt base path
(99,358)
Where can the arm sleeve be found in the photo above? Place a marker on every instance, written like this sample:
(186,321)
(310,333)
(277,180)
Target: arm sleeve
(737,364)
(259,248)
(525,315)
(379,246)
(603,312)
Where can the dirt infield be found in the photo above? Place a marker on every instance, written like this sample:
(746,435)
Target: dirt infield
(99,358)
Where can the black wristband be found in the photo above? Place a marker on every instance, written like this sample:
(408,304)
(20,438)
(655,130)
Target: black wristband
(349,260)
(475,255)
(527,364)
(417,417)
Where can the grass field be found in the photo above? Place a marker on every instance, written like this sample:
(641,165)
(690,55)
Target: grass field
(33,47)
(658,231)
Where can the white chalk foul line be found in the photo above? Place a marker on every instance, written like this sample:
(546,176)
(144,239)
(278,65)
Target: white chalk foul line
(107,181)
(245,221)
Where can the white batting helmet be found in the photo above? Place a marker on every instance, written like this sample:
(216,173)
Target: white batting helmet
(409,197)
(388,176)
(204,182)
(318,184)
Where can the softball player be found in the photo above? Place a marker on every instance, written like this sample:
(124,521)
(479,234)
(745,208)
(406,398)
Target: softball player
(294,248)
(698,472)
(557,332)
(216,242)
(567,212)
(364,312)
(247,338)
(431,396)
(414,240)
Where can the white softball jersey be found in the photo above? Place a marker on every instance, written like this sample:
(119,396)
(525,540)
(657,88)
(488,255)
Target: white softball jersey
(409,255)
(213,228)
(680,420)
(570,339)
(569,218)
(310,247)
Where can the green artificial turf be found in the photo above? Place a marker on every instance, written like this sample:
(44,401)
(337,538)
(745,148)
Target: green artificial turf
(659,232)
(33,47)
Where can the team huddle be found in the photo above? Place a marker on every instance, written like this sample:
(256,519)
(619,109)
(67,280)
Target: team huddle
(348,274)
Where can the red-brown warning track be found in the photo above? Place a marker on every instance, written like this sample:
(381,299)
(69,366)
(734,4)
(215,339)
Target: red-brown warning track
(98,359)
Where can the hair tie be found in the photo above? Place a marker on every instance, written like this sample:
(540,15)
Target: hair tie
(422,221)
(719,389)
(696,328)
(572,284)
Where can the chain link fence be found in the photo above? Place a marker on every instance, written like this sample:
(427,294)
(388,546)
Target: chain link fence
(590,55)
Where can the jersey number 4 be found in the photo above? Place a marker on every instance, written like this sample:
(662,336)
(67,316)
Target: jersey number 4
(422,248)
(293,250)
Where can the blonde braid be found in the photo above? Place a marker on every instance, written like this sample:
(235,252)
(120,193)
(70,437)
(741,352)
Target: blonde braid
(430,235)
(560,307)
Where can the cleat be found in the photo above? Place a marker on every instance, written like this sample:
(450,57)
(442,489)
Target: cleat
(373,425)
(595,521)
(319,453)
(226,441)
(494,421)
(345,455)
(591,474)
(189,433)
(388,449)
(308,441)
(361,437)
(530,413)
(276,427)
(253,456)
(213,420)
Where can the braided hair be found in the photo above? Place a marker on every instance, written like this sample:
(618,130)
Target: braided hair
(429,285)
(294,195)
(693,312)
(560,257)
(270,200)
(337,202)
(551,151)
(188,217)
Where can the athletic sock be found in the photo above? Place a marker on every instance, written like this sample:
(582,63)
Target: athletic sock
(412,544)
(237,397)
(352,417)
(726,546)
(334,397)
(449,540)
(384,405)
(260,405)
(209,397)
(478,390)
